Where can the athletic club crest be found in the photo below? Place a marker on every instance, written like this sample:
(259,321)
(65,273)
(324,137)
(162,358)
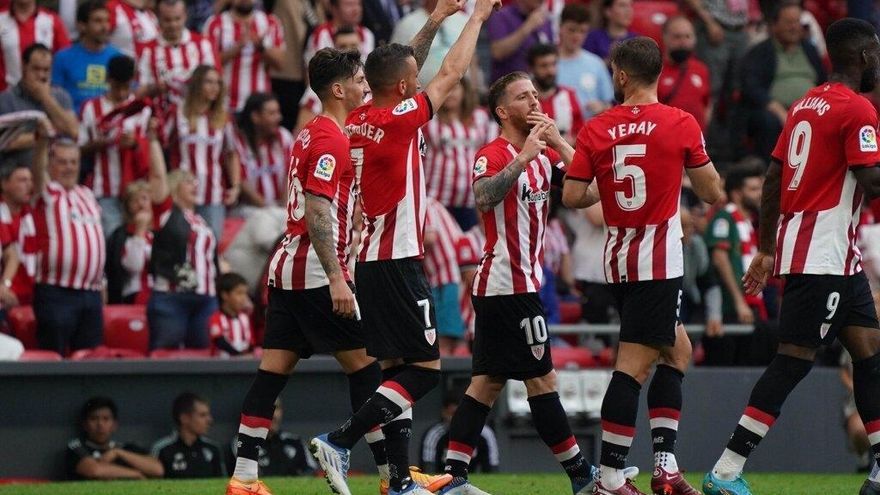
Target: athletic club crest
(823,330)
(538,351)
(431,336)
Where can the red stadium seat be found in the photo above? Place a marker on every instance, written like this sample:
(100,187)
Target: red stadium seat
(181,354)
(125,327)
(650,15)
(23,324)
(103,352)
(572,357)
(569,312)
(606,357)
(39,355)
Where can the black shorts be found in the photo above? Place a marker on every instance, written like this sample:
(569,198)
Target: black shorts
(510,337)
(648,311)
(303,321)
(397,310)
(816,307)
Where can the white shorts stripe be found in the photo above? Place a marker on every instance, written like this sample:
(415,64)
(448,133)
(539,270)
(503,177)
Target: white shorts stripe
(452,455)
(253,432)
(568,454)
(394,397)
(753,425)
(616,439)
(664,423)
(874,438)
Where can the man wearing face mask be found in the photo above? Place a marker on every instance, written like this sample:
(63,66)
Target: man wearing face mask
(684,80)
(250,42)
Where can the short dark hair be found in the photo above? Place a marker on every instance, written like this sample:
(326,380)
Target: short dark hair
(84,11)
(185,403)
(227,282)
(846,39)
(575,12)
(499,88)
(31,50)
(167,2)
(539,50)
(330,65)
(736,176)
(776,8)
(97,403)
(120,69)
(639,57)
(9,167)
(385,65)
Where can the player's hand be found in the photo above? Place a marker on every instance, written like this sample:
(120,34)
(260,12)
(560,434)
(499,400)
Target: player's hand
(744,313)
(446,8)
(551,135)
(714,328)
(715,32)
(483,9)
(536,19)
(534,145)
(756,276)
(343,298)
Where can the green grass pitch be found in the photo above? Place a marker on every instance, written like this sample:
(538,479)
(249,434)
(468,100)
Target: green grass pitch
(497,484)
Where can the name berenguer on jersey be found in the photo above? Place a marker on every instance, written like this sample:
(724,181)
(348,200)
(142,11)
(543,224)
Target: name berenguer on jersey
(366,130)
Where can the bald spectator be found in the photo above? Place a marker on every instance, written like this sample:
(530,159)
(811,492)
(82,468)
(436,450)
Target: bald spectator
(512,31)
(343,13)
(132,25)
(579,69)
(18,31)
(684,82)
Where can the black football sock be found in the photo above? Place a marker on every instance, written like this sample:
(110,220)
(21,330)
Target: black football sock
(256,419)
(464,433)
(664,410)
(866,387)
(619,410)
(397,435)
(361,385)
(553,428)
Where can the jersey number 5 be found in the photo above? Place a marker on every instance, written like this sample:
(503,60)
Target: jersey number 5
(624,171)
(799,151)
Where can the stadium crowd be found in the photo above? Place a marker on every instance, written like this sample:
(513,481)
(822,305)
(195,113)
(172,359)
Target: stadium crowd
(224,84)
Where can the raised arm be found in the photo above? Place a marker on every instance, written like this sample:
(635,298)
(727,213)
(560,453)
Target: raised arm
(706,182)
(158,178)
(490,191)
(459,57)
(421,42)
(320,225)
(41,156)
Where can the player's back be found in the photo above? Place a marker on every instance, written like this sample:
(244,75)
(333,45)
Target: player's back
(637,155)
(830,130)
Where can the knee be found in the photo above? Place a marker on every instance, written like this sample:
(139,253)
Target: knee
(542,384)
(797,351)
(485,390)
(679,356)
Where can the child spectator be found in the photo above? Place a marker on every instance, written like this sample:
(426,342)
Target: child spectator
(230,326)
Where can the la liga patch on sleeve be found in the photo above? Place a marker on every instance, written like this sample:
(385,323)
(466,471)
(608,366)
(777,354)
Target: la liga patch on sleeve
(867,139)
(324,168)
(405,106)
(481,166)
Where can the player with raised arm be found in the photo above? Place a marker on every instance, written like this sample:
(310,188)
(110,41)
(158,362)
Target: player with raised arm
(636,153)
(512,180)
(396,302)
(824,163)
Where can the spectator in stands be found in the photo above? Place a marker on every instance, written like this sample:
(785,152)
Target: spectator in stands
(721,39)
(455,134)
(132,25)
(485,458)
(345,38)
(17,187)
(250,251)
(469,252)
(409,26)
(700,288)
(183,261)
(283,454)
(560,103)
(343,13)
(187,453)
(230,326)
(288,80)
(733,242)
(441,237)
(558,274)
(10,262)
(512,31)
(775,73)
(588,227)
(116,145)
(81,69)
(19,25)
(263,148)
(250,42)
(35,92)
(199,11)
(94,455)
(167,62)
(382,17)
(70,262)
(129,248)
(579,69)
(684,81)
(202,118)
(617,17)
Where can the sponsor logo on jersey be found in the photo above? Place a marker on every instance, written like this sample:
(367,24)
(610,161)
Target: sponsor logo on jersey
(431,336)
(405,106)
(481,166)
(530,196)
(721,229)
(867,139)
(538,351)
(324,168)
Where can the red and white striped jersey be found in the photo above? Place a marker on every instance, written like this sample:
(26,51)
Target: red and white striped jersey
(236,330)
(247,72)
(469,251)
(311,102)
(135,260)
(70,238)
(386,151)
(44,27)
(830,131)
(131,28)
(201,248)
(322,37)
(514,251)
(320,165)
(555,245)
(265,169)
(173,64)
(441,263)
(199,150)
(563,107)
(23,229)
(451,150)
(107,179)
(637,154)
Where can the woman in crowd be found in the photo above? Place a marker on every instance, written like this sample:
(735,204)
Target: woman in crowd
(200,140)
(617,17)
(129,248)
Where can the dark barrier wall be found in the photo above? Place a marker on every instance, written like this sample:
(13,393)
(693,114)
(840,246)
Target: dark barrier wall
(39,403)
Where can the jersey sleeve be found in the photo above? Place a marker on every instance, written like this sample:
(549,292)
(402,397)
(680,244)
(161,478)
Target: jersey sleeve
(325,164)
(695,144)
(581,167)
(275,34)
(411,114)
(488,162)
(718,232)
(860,135)
(215,329)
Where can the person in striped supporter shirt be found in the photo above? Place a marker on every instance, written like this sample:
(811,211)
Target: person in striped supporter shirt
(22,24)
(442,235)
(263,148)
(230,326)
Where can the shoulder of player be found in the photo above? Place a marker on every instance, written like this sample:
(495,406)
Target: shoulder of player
(495,149)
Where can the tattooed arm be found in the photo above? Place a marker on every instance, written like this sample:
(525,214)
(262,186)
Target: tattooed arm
(490,191)
(320,225)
